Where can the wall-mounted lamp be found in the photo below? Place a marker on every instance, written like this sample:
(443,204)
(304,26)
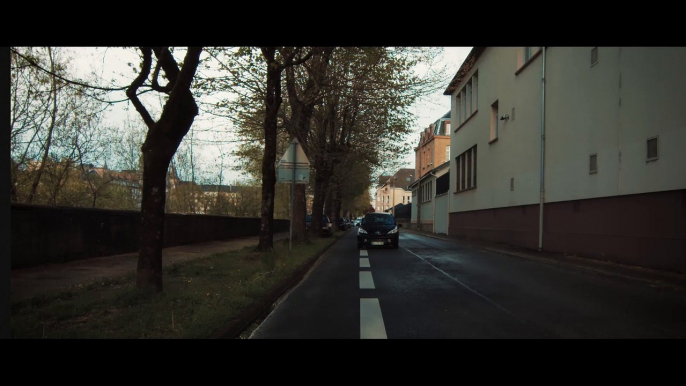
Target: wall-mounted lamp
(504,117)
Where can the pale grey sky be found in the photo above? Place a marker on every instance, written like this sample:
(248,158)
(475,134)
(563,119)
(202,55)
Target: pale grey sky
(113,63)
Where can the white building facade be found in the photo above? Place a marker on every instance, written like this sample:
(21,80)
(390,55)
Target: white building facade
(596,134)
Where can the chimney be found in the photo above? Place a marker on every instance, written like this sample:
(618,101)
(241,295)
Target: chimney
(447,127)
(431,128)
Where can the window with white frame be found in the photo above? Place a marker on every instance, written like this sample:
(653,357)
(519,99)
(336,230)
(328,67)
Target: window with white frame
(525,54)
(465,167)
(466,101)
(652,153)
(447,153)
(427,191)
(494,121)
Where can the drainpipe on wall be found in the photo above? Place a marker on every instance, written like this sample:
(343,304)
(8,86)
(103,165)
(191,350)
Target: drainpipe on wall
(542,197)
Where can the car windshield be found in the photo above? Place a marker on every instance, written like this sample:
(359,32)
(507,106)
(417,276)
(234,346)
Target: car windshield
(382,219)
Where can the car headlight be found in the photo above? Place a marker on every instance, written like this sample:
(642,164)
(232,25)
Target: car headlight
(392,231)
(360,230)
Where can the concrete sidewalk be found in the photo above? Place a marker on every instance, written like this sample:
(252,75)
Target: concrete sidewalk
(48,278)
(654,278)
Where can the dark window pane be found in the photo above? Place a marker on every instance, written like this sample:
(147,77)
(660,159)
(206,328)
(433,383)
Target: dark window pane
(652,148)
(475,166)
(469,168)
(462,184)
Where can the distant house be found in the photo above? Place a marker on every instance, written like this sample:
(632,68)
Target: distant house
(393,190)
(430,193)
(432,166)
(434,146)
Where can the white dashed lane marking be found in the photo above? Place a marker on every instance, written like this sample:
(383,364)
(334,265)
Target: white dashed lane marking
(363,252)
(366,280)
(364,263)
(371,321)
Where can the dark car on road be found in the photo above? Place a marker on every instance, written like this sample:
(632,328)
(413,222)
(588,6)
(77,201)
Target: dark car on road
(327,225)
(378,229)
(342,224)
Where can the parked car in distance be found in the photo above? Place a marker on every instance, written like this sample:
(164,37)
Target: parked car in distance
(349,223)
(342,225)
(357,221)
(327,225)
(378,229)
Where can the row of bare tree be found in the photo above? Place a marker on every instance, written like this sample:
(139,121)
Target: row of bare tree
(347,106)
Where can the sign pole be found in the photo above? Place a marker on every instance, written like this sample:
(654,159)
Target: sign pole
(290,240)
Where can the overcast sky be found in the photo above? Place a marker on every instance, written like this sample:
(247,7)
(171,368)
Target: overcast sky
(113,63)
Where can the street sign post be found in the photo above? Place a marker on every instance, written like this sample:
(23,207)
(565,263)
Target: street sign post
(294,168)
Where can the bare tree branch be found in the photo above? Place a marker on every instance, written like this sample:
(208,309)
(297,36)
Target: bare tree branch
(133,88)
(51,73)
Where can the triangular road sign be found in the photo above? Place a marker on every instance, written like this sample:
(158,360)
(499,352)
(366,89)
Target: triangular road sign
(300,157)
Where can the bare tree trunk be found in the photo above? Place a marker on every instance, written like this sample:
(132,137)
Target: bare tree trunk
(152,219)
(321,180)
(272,103)
(336,192)
(328,207)
(161,142)
(299,213)
(321,205)
(48,140)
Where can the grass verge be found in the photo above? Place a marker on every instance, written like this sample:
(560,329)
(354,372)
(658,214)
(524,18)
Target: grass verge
(200,297)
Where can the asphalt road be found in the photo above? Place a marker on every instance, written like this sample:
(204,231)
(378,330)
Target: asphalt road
(436,289)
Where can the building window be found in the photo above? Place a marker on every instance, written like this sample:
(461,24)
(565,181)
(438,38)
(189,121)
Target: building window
(652,149)
(529,52)
(427,191)
(594,55)
(593,168)
(457,174)
(469,168)
(494,121)
(464,107)
(467,99)
(525,55)
(468,87)
(447,153)
(465,170)
(475,88)
(464,163)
